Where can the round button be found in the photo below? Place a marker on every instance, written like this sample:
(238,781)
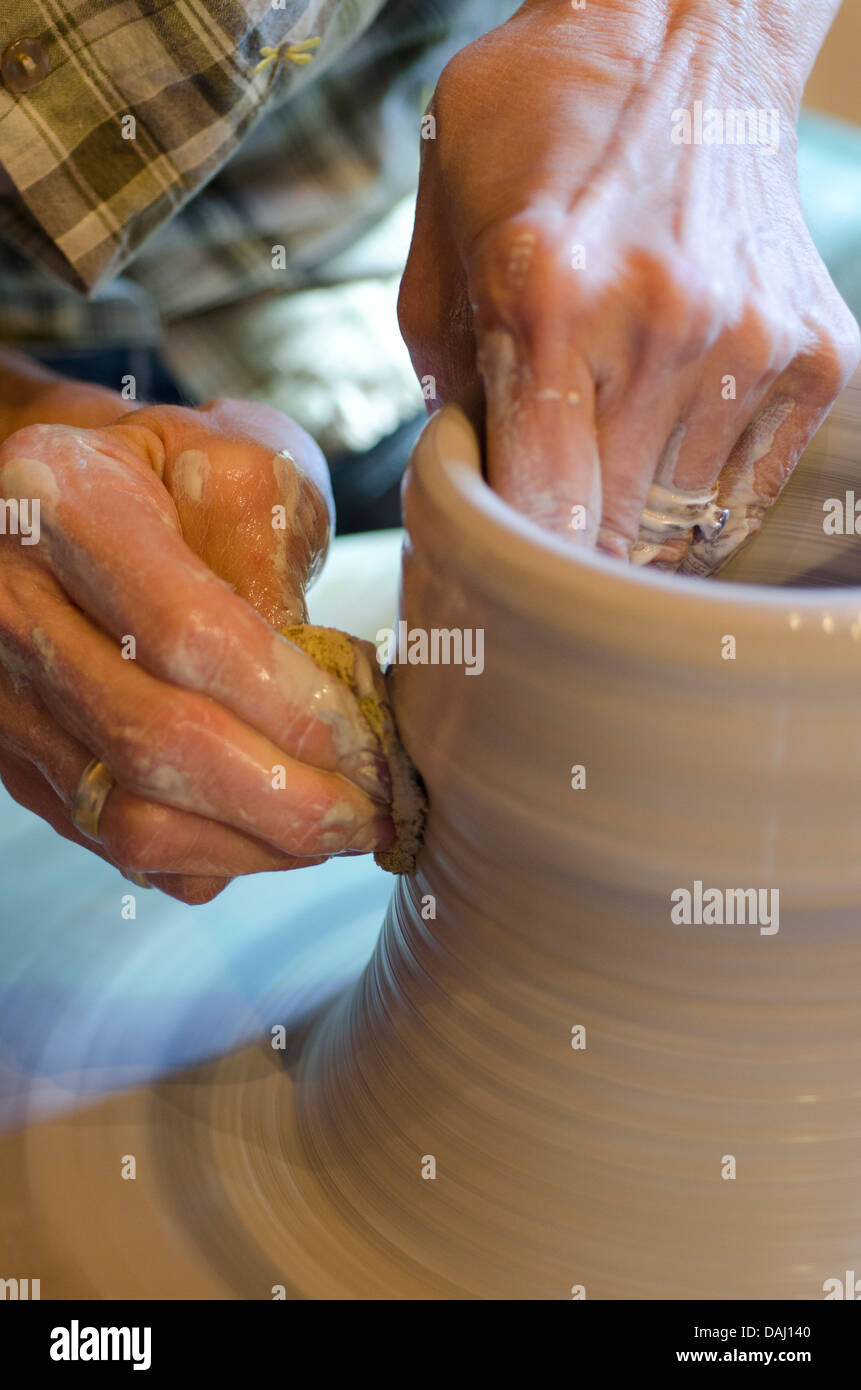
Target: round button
(24,65)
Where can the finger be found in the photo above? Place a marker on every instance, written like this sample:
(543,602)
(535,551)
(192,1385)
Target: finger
(717,398)
(542,451)
(181,749)
(733,384)
(108,535)
(663,437)
(26,786)
(638,439)
(708,408)
(149,838)
(759,465)
(658,424)
(253,496)
(194,892)
(30,790)
(137,834)
(765,454)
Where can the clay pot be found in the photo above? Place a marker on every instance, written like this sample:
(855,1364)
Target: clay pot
(615,1102)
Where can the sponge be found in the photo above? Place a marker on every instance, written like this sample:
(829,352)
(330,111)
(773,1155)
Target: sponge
(348,659)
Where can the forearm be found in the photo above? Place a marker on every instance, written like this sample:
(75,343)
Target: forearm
(31,394)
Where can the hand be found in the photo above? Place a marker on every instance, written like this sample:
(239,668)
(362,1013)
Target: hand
(637,310)
(159,528)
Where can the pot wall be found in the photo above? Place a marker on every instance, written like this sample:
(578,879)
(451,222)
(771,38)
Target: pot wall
(538,909)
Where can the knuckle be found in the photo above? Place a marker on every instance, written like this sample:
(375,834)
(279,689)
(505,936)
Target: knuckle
(517,270)
(415,317)
(456,77)
(617,536)
(193,890)
(680,302)
(136,837)
(703,322)
(215,405)
(141,748)
(192,648)
(833,354)
(128,755)
(124,844)
(762,344)
(28,448)
(29,439)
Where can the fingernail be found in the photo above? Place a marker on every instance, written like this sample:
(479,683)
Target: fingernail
(334,841)
(295,612)
(377,834)
(374,779)
(612,542)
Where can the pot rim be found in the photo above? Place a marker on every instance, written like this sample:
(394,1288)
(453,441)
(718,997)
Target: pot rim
(456,514)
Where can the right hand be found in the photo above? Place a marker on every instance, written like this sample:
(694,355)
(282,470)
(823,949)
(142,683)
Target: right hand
(637,311)
(142,522)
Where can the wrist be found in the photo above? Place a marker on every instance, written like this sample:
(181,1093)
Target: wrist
(31,394)
(767,46)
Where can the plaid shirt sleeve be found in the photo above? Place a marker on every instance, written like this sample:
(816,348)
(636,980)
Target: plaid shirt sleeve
(80,195)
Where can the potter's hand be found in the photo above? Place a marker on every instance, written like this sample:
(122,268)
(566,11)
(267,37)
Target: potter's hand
(639,308)
(129,633)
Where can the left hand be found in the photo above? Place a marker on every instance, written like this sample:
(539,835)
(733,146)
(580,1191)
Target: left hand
(159,525)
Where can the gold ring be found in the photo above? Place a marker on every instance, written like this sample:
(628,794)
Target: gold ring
(91,793)
(134,877)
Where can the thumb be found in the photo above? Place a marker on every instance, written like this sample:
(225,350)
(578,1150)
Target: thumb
(252,493)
